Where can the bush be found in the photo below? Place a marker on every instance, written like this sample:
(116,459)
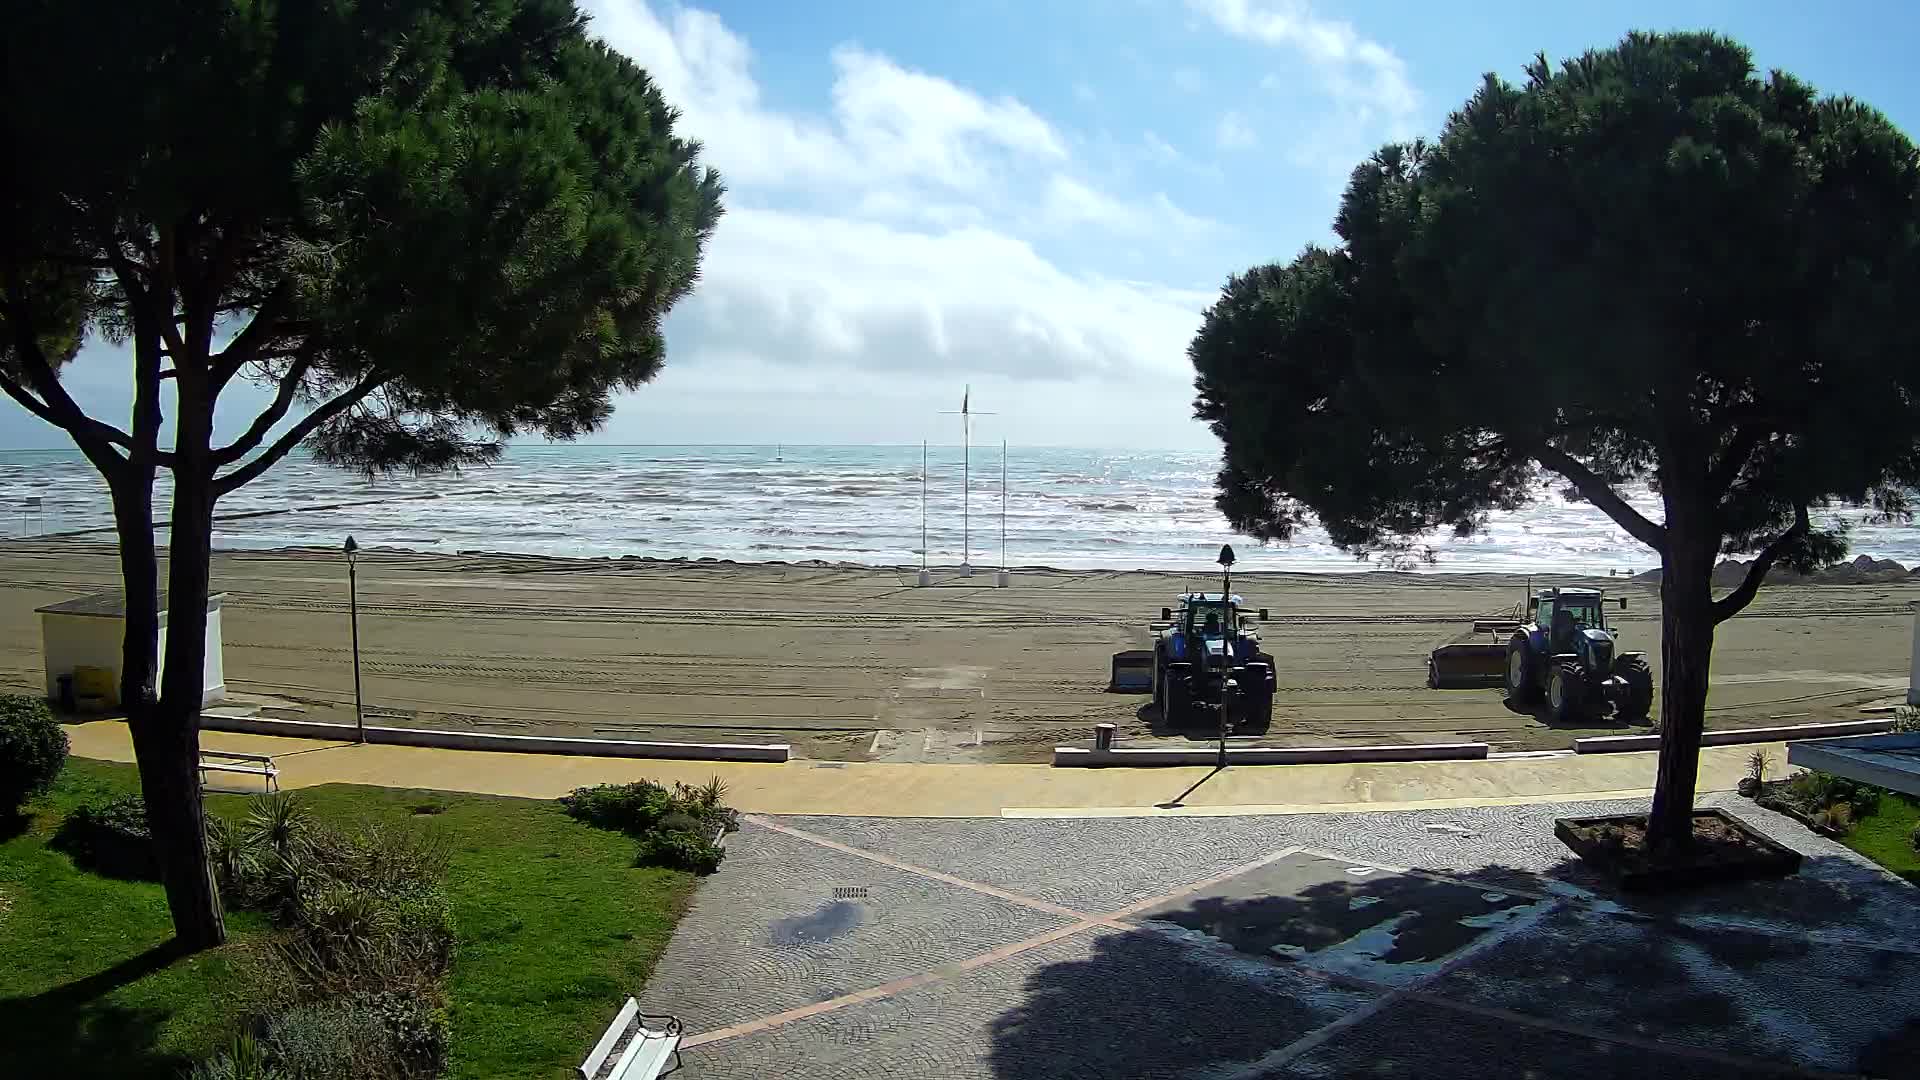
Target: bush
(33,748)
(112,839)
(675,827)
(629,808)
(1915,838)
(379,1036)
(243,1060)
(1813,792)
(680,849)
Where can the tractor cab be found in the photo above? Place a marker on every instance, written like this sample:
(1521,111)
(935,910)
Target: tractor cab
(1213,623)
(1570,616)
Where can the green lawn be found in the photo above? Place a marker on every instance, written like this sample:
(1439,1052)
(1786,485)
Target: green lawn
(555,928)
(1887,836)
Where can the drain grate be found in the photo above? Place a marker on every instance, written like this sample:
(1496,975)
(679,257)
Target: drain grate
(850,892)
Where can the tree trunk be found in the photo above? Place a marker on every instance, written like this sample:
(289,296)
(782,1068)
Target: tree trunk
(1686,652)
(170,750)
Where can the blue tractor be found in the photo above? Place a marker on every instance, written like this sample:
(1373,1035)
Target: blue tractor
(1564,652)
(1208,667)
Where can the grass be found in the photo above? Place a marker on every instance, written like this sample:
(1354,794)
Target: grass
(555,928)
(1886,837)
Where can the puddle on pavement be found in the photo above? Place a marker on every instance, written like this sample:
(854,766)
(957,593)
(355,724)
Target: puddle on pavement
(835,919)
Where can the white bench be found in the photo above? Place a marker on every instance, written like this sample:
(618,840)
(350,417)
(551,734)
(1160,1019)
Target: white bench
(638,1045)
(229,761)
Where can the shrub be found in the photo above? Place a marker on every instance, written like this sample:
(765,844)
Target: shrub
(1816,791)
(378,1036)
(629,808)
(680,849)
(1757,763)
(368,912)
(1915,838)
(1906,719)
(243,1060)
(112,839)
(1837,816)
(33,748)
(675,827)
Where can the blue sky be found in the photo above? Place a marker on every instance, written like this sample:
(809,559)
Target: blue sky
(1039,199)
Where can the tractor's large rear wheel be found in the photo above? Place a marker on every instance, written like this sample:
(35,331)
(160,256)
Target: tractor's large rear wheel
(1523,671)
(1567,691)
(1258,687)
(1160,680)
(1638,702)
(1179,708)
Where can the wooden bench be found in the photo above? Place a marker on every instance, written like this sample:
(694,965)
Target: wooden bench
(229,761)
(635,1047)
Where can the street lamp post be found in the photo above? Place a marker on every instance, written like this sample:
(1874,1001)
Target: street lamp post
(353,608)
(1227,699)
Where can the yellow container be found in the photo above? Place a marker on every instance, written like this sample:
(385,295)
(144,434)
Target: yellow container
(95,684)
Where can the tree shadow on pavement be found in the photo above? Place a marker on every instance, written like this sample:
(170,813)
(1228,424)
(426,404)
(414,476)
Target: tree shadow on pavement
(1226,980)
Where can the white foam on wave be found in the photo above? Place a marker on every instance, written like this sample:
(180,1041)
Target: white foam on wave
(1077,509)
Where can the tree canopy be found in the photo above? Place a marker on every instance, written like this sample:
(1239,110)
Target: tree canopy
(422,225)
(1647,264)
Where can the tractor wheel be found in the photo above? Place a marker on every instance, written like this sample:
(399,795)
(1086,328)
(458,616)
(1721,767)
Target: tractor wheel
(1178,707)
(1523,671)
(1433,676)
(1638,702)
(1257,714)
(1567,691)
(1160,680)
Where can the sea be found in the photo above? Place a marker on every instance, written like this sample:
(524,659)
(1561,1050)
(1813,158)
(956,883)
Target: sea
(869,505)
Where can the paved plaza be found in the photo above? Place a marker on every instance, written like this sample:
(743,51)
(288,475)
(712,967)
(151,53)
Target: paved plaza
(1432,944)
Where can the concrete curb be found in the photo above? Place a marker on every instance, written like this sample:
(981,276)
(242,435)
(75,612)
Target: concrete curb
(1083,757)
(1612,744)
(513,744)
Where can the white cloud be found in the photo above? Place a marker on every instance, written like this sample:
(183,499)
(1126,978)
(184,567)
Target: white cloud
(901,233)
(888,123)
(788,287)
(1069,202)
(1233,133)
(1188,81)
(1354,69)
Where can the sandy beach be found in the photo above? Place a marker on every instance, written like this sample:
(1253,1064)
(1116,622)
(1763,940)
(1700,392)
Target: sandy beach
(857,664)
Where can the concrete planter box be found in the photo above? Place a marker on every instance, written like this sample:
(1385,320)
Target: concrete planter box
(1756,856)
(1135,757)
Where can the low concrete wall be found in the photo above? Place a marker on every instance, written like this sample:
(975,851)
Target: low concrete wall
(513,744)
(1080,756)
(1611,744)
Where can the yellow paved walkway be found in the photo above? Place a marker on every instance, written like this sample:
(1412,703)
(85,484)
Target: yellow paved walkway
(906,790)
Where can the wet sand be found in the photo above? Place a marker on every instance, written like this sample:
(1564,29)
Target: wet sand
(857,664)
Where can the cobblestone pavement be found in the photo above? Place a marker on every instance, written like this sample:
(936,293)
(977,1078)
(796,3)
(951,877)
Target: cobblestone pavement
(1431,944)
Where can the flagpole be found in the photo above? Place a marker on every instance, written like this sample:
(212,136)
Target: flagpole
(1003,506)
(966,487)
(923,504)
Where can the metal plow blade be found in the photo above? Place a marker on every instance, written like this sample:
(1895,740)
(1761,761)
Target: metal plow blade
(1452,667)
(1132,672)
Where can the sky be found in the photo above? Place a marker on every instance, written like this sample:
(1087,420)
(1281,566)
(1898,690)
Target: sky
(1039,200)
